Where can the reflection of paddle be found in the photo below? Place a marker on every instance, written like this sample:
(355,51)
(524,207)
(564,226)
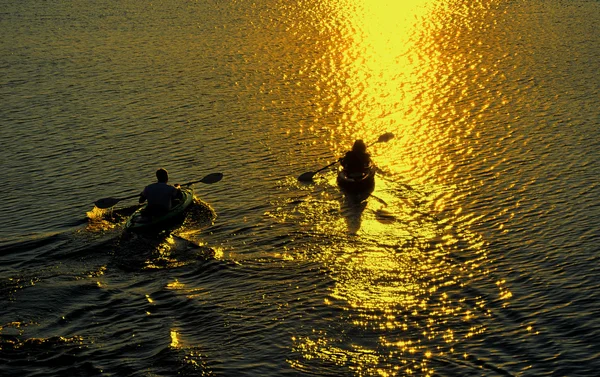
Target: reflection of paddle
(308,176)
(109,202)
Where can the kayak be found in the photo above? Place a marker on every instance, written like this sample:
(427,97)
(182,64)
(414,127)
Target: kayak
(357,183)
(139,222)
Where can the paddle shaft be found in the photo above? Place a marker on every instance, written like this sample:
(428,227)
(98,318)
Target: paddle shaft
(340,159)
(333,163)
(109,202)
(307,177)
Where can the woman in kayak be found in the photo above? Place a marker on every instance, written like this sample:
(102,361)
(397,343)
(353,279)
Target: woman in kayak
(160,195)
(356,161)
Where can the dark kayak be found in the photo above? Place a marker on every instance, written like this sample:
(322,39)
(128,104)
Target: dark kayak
(357,183)
(138,222)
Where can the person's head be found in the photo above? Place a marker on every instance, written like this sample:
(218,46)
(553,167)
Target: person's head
(359,146)
(162,175)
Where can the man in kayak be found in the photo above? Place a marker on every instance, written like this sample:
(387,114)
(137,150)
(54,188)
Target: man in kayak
(356,161)
(160,195)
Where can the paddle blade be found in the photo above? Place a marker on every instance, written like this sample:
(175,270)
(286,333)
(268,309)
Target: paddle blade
(385,137)
(106,202)
(306,177)
(212,178)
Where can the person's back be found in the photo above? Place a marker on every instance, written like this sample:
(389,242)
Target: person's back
(357,160)
(160,195)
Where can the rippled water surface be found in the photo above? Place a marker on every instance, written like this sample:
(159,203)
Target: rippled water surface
(475,255)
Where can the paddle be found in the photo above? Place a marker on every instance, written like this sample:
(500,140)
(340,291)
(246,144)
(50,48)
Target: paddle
(109,202)
(308,176)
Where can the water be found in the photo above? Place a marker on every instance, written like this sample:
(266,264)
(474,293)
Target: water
(475,255)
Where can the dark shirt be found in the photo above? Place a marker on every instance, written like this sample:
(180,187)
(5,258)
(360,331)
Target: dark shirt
(356,162)
(160,197)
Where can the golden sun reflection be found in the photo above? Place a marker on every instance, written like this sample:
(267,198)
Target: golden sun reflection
(174,339)
(401,261)
(369,76)
(175,285)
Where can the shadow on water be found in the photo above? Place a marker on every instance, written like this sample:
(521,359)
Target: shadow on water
(134,252)
(386,213)
(352,203)
(353,206)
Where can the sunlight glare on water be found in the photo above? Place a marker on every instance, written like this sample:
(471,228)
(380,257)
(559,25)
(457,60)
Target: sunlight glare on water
(366,64)
(474,254)
(401,68)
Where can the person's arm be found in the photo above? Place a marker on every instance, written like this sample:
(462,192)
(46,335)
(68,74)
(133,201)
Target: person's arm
(177,194)
(142,197)
(344,160)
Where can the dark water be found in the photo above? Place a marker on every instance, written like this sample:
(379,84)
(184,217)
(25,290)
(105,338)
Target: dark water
(476,255)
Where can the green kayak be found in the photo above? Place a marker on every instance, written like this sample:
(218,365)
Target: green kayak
(138,222)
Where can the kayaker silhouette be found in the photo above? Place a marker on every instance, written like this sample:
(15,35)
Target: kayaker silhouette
(160,195)
(357,160)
